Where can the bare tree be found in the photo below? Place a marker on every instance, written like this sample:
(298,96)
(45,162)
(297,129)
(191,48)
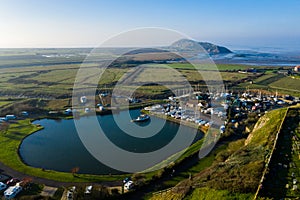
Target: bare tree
(74,171)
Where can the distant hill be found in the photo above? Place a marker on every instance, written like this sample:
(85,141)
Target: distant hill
(191,45)
(145,50)
(185,45)
(189,48)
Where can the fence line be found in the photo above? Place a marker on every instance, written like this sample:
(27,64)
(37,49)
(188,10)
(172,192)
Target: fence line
(271,154)
(162,191)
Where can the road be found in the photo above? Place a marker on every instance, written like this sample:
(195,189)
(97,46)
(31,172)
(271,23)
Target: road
(16,174)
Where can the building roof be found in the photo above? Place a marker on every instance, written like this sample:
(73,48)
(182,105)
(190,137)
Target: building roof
(12,190)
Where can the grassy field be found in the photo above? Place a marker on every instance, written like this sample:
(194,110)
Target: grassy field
(266,79)
(287,83)
(199,166)
(58,80)
(4,102)
(273,82)
(15,58)
(220,67)
(51,73)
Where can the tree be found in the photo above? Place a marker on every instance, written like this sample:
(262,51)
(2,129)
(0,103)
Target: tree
(74,171)
(4,126)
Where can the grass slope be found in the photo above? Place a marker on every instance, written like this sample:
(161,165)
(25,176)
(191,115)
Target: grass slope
(285,162)
(208,194)
(236,171)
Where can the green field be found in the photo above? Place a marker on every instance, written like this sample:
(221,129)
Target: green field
(267,78)
(51,73)
(274,82)
(199,166)
(58,80)
(219,67)
(286,83)
(4,103)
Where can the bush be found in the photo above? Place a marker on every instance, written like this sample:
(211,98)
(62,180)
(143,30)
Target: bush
(159,174)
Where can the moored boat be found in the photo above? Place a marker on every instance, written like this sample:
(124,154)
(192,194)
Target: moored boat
(141,118)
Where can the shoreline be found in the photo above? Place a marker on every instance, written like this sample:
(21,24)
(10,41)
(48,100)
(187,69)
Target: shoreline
(104,176)
(15,162)
(67,177)
(203,129)
(21,141)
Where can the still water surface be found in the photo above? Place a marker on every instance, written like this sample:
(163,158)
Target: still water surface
(58,146)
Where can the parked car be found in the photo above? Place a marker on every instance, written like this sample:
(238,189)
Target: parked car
(2,186)
(12,182)
(202,123)
(69,195)
(126,180)
(294,181)
(73,189)
(129,185)
(88,189)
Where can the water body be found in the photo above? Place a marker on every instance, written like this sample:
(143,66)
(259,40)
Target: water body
(58,146)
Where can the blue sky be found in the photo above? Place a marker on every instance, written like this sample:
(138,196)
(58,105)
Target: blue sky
(79,23)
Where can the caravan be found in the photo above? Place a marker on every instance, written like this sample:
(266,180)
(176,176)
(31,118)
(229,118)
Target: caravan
(12,191)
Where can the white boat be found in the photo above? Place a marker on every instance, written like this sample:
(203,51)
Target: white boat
(141,118)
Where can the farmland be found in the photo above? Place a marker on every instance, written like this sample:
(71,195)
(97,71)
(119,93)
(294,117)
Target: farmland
(52,77)
(50,73)
(275,82)
(287,83)
(57,80)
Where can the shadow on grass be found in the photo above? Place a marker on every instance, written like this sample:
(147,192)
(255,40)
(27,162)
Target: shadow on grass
(277,178)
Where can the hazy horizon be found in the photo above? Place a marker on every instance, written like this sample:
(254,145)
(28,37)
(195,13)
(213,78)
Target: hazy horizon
(79,24)
(267,49)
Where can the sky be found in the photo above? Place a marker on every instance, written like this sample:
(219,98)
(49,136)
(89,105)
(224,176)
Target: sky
(79,23)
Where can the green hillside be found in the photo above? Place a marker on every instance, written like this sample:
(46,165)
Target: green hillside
(237,170)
